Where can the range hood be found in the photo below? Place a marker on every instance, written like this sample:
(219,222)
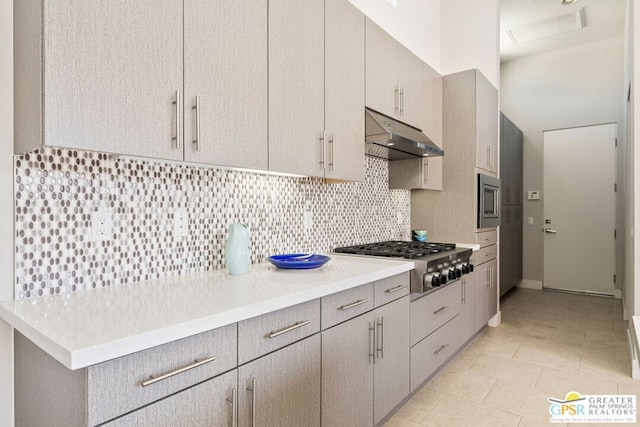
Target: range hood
(388,138)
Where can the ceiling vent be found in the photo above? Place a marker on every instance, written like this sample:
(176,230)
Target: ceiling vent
(547,28)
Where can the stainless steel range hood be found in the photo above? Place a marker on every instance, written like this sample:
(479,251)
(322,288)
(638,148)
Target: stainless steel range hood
(390,139)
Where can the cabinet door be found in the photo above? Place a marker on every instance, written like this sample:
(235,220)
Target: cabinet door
(225,65)
(344,90)
(469,307)
(347,373)
(391,371)
(202,405)
(296,87)
(432,173)
(432,121)
(283,388)
(482,286)
(382,92)
(492,303)
(487,123)
(413,86)
(112,72)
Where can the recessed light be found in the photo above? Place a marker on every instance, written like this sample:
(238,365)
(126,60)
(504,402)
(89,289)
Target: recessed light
(567,2)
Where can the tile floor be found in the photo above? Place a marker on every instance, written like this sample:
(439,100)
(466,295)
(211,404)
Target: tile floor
(549,343)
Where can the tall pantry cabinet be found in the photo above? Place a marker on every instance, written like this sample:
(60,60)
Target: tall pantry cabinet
(470,127)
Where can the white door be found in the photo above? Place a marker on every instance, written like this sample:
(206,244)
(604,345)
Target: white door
(579,208)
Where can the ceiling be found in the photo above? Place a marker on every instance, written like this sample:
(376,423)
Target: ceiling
(525,19)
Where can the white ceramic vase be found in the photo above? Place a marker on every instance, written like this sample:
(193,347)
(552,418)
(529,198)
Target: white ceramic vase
(238,256)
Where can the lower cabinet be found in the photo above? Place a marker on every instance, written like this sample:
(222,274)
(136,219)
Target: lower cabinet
(469,306)
(282,388)
(365,366)
(487,288)
(211,403)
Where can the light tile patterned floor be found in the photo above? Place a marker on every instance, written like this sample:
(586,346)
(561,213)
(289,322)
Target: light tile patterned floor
(549,343)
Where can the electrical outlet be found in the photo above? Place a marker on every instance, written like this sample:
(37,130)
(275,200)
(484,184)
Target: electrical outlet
(180,223)
(101,226)
(307,217)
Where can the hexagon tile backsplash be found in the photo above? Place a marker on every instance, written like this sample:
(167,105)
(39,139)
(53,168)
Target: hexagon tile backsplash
(57,190)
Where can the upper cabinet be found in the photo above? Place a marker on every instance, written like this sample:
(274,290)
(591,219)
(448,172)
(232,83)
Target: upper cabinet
(165,79)
(225,83)
(99,76)
(486,112)
(316,88)
(395,83)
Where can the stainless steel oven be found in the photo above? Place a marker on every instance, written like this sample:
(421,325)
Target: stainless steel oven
(488,201)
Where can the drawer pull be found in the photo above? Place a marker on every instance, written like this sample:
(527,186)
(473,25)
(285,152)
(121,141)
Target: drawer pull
(441,309)
(396,289)
(297,325)
(234,407)
(153,379)
(440,350)
(354,304)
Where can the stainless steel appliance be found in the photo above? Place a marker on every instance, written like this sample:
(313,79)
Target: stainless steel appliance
(488,201)
(436,264)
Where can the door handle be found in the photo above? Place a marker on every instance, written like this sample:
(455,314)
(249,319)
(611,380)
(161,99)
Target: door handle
(550,231)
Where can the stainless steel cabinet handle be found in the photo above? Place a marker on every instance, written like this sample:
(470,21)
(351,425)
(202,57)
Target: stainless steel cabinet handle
(153,379)
(402,102)
(380,337)
(372,342)
(397,99)
(197,110)
(293,327)
(463,290)
(550,231)
(322,147)
(396,289)
(254,392)
(354,304)
(438,351)
(425,172)
(488,155)
(178,110)
(234,407)
(488,278)
(331,152)
(441,309)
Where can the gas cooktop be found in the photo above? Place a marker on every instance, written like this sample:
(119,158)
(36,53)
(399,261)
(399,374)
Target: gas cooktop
(397,248)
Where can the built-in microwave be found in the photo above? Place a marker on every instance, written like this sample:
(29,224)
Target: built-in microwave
(488,201)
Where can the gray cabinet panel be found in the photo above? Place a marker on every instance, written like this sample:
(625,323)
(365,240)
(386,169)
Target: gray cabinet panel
(434,310)
(263,334)
(115,387)
(413,102)
(381,70)
(391,288)
(106,87)
(203,405)
(391,370)
(344,305)
(225,64)
(285,386)
(347,373)
(344,90)
(469,306)
(487,119)
(296,86)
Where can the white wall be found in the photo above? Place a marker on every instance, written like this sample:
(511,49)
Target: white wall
(6,208)
(470,37)
(414,23)
(565,88)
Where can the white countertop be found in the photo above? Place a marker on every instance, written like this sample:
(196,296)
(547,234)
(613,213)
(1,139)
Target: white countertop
(83,328)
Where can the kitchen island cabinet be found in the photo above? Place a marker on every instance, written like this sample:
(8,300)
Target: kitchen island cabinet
(316,89)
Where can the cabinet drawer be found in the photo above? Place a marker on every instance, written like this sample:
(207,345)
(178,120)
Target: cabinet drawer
(344,305)
(487,238)
(430,353)
(263,334)
(484,254)
(116,387)
(434,310)
(390,289)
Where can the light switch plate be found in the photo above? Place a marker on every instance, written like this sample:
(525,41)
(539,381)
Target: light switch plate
(180,223)
(529,220)
(533,195)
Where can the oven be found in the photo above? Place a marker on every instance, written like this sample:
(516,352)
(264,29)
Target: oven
(436,264)
(488,201)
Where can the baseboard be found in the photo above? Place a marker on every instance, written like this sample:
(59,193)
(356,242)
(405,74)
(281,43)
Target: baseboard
(625,312)
(495,320)
(633,354)
(530,284)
